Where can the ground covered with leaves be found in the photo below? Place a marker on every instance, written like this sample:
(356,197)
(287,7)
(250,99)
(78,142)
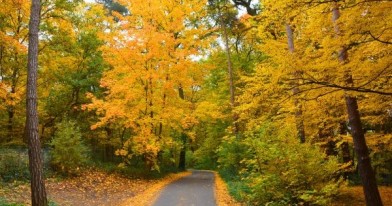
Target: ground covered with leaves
(90,188)
(354,196)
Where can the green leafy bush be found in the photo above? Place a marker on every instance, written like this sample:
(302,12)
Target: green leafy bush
(68,152)
(276,169)
(14,165)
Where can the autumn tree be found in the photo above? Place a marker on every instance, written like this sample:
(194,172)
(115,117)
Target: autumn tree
(73,63)
(151,56)
(320,43)
(372,194)
(13,53)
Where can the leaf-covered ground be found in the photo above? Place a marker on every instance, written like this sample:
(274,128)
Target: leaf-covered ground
(94,188)
(354,196)
(91,188)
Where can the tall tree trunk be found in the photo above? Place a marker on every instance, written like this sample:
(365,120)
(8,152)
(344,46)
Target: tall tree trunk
(230,71)
(299,122)
(367,174)
(38,192)
(181,164)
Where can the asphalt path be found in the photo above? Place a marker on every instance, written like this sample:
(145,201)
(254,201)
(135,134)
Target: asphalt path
(196,189)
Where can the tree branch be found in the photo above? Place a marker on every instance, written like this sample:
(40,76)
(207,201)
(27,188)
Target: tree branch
(378,39)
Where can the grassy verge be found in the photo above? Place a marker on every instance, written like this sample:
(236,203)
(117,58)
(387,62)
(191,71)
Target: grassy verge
(222,195)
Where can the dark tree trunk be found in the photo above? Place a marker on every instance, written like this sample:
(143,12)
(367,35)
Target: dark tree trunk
(299,122)
(38,192)
(181,164)
(345,150)
(10,125)
(367,174)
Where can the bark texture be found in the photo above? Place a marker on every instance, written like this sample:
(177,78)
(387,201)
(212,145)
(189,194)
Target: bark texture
(38,192)
(372,195)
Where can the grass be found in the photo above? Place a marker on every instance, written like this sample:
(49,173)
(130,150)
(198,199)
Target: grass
(222,195)
(4,202)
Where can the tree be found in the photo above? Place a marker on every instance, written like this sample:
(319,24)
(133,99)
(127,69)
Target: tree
(72,64)
(68,152)
(38,192)
(334,60)
(151,58)
(372,195)
(298,105)
(13,53)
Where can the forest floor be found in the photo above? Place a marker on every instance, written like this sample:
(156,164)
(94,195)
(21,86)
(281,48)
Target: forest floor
(96,188)
(354,196)
(91,188)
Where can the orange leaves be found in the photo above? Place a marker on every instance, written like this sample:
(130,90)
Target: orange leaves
(188,122)
(150,58)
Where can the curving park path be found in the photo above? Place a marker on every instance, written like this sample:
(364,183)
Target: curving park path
(196,189)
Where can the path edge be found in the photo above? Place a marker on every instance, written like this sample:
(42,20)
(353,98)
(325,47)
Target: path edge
(221,193)
(149,196)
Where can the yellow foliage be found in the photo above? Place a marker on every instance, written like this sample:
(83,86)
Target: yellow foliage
(151,56)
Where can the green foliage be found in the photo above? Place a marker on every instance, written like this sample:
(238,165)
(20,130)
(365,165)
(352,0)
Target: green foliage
(276,169)
(14,165)
(207,142)
(68,153)
(4,202)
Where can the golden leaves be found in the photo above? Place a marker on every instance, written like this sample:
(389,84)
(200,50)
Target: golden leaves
(150,58)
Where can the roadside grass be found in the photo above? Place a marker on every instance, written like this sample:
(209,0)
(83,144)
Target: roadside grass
(222,195)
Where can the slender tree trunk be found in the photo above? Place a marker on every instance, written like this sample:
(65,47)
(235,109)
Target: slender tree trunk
(181,164)
(38,192)
(299,122)
(230,72)
(367,174)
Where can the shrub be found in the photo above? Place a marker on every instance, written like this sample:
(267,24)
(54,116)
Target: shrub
(278,170)
(68,152)
(14,165)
